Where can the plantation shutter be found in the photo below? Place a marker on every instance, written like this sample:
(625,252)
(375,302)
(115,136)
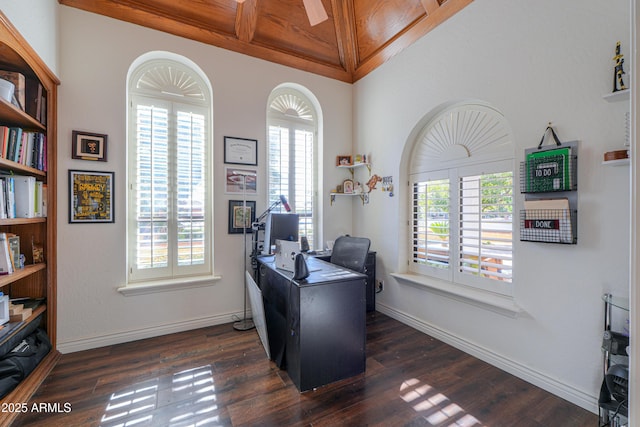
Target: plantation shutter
(486,225)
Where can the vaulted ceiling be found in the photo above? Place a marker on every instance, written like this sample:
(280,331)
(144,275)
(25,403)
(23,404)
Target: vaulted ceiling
(357,37)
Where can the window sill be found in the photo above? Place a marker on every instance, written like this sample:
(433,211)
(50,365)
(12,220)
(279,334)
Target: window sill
(500,304)
(154,287)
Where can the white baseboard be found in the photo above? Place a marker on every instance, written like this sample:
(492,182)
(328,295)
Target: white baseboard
(88,343)
(552,385)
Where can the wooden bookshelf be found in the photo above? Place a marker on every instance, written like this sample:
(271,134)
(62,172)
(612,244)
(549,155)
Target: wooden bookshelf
(34,280)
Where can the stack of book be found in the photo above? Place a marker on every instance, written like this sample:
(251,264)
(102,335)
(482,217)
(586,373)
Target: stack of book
(24,147)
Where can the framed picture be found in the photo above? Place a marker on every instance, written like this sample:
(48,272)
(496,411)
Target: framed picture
(89,146)
(344,161)
(347,186)
(235,177)
(90,196)
(238,218)
(240,151)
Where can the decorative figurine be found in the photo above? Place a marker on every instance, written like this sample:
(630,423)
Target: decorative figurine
(618,84)
(375,179)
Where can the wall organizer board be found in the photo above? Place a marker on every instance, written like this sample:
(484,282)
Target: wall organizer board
(549,180)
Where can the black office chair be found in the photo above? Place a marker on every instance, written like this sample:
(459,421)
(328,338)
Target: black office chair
(350,252)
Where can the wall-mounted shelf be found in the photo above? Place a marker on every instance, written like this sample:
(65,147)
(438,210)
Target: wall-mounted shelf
(620,162)
(621,95)
(363,196)
(352,169)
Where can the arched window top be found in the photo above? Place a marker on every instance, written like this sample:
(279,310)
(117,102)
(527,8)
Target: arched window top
(288,103)
(461,133)
(164,78)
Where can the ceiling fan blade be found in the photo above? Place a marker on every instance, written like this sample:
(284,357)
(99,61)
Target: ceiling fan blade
(315,11)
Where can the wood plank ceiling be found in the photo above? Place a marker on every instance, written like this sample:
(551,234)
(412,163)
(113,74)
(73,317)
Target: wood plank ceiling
(359,35)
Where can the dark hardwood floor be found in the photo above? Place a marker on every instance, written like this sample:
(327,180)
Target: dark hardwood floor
(219,376)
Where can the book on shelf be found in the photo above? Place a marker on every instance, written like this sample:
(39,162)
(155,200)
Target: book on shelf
(14,248)
(34,99)
(8,194)
(6,266)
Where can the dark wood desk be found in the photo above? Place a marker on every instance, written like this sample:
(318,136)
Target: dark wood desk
(370,271)
(316,327)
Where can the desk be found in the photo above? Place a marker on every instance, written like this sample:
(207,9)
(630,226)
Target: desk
(316,326)
(370,271)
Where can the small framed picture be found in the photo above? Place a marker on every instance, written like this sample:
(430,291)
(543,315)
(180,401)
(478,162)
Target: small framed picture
(236,177)
(347,186)
(344,161)
(240,151)
(88,146)
(90,197)
(239,219)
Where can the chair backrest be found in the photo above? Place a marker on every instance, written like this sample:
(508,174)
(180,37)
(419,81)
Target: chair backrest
(350,252)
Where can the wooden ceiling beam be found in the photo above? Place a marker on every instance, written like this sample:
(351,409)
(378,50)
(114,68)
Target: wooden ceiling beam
(344,21)
(430,6)
(246,19)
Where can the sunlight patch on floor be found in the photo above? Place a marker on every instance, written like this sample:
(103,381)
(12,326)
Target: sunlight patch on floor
(191,394)
(436,408)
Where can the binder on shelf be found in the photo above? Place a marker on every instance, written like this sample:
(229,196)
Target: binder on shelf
(37,200)
(25,188)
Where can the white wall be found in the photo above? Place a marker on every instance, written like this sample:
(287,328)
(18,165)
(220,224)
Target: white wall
(96,53)
(536,62)
(37,21)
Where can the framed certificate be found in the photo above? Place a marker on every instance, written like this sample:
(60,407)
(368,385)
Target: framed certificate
(240,151)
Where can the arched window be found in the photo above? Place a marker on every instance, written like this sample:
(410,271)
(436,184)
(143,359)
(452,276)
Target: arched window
(169,208)
(292,155)
(461,177)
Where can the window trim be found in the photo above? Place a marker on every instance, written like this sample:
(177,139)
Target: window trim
(312,125)
(181,277)
(456,135)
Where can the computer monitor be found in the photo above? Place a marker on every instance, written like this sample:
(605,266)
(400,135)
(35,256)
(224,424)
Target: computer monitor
(283,226)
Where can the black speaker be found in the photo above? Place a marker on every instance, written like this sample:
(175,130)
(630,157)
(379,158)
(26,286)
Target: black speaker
(302,271)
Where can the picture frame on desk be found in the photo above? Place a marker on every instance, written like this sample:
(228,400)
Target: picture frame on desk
(237,217)
(89,146)
(91,197)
